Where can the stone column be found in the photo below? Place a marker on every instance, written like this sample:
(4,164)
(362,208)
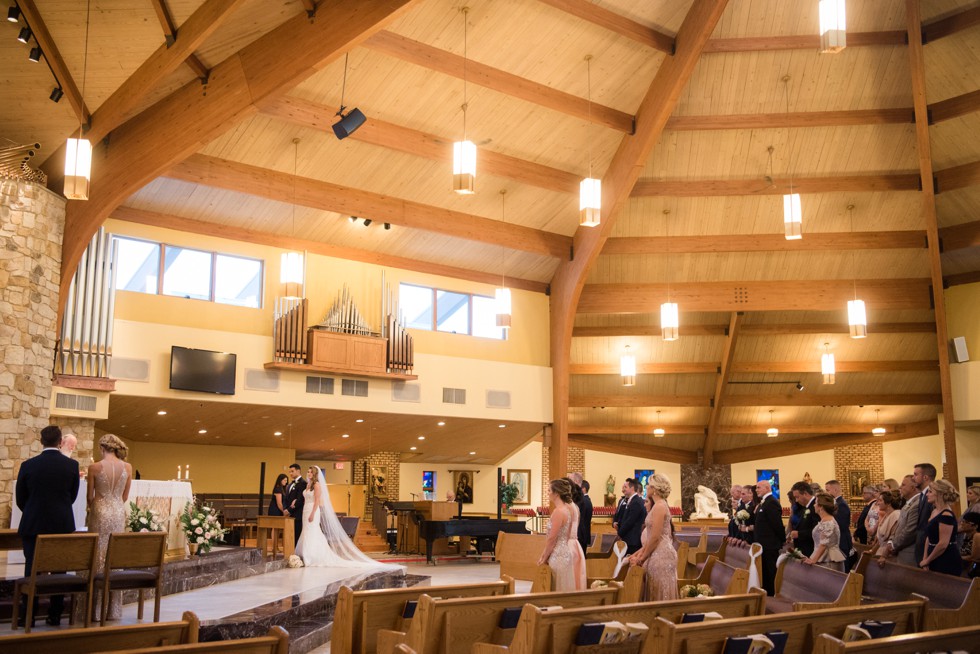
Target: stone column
(32,222)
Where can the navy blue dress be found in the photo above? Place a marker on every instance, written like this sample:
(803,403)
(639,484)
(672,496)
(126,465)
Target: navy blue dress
(273,505)
(949,561)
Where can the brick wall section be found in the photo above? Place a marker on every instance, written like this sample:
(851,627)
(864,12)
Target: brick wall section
(362,471)
(866,456)
(576,463)
(31,227)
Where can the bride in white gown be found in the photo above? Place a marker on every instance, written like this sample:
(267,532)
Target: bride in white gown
(323,542)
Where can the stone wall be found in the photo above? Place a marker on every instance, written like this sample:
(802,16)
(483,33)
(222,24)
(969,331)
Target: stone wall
(858,459)
(361,474)
(31,227)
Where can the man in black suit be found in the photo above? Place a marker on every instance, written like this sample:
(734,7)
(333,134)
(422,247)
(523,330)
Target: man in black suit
(621,507)
(294,498)
(803,534)
(842,514)
(634,513)
(47,486)
(737,505)
(870,495)
(923,474)
(584,505)
(769,533)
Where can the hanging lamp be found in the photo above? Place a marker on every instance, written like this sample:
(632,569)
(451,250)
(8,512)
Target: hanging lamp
(772,432)
(828,366)
(627,368)
(857,317)
(291,266)
(590,189)
(792,206)
(878,429)
(658,432)
(669,314)
(78,151)
(833,26)
(502,294)
(464,151)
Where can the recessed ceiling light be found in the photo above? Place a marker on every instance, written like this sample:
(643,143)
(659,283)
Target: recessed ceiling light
(345,435)
(359,420)
(202,431)
(413,448)
(421,438)
(472,453)
(441,423)
(501,426)
(161,413)
(278,433)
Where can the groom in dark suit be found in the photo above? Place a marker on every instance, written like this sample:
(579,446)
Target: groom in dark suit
(47,486)
(294,498)
(634,513)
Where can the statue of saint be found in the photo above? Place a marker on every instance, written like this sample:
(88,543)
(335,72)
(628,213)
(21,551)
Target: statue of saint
(706,505)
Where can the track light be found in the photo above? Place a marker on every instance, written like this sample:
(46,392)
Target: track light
(13,14)
(799,386)
(353,119)
(387,225)
(35,55)
(56,94)
(367,221)
(25,34)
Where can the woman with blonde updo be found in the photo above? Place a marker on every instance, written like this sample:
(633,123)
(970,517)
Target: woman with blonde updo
(658,556)
(108,492)
(563,553)
(941,554)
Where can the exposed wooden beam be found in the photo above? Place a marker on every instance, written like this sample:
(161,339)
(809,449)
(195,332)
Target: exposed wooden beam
(693,367)
(170,35)
(632,154)
(284,187)
(794,119)
(950,25)
(721,388)
(801,42)
(596,401)
(837,328)
(647,330)
(177,125)
(634,429)
(52,54)
(192,226)
(913,21)
(971,277)
(960,105)
(744,429)
(615,23)
(447,63)
(633,449)
(825,295)
(784,447)
(794,399)
(711,367)
(414,142)
(957,177)
(958,237)
(910,239)
(779,186)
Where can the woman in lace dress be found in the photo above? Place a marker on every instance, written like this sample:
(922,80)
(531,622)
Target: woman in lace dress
(108,493)
(889,504)
(658,556)
(826,536)
(563,553)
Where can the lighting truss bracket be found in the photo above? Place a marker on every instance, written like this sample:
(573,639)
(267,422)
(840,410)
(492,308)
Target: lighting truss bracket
(170,39)
(571,253)
(632,125)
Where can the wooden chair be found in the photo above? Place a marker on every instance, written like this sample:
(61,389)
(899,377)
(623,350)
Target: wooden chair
(126,561)
(56,555)
(107,639)
(236,519)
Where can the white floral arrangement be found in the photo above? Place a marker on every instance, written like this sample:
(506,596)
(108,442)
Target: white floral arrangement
(201,526)
(294,562)
(742,516)
(696,590)
(143,520)
(599,583)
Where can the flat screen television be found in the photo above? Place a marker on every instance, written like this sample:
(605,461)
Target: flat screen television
(203,371)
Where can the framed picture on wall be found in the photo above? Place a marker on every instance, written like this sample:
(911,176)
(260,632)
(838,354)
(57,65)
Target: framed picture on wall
(858,479)
(379,481)
(428,481)
(972,481)
(643,476)
(772,476)
(463,485)
(521,479)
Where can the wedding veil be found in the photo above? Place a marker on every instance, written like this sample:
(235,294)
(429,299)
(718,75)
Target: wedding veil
(337,539)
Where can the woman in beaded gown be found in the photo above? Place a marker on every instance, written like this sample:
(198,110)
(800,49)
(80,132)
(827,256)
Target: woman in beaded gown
(563,553)
(657,555)
(108,492)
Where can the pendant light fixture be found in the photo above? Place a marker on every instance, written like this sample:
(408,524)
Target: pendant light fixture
(291,263)
(627,368)
(772,432)
(464,152)
(878,429)
(502,294)
(857,317)
(827,365)
(669,315)
(78,151)
(659,431)
(792,207)
(833,26)
(590,189)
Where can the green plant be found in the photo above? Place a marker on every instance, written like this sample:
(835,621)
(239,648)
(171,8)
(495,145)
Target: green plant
(509,493)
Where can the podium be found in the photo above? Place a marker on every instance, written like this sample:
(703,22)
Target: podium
(408,524)
(278,527)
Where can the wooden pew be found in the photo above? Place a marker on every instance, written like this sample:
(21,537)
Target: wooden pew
(801,587)
(697,542)
(723,578)
(276,641)
(453,625)
(802,627)
(953,601)
(683,554)
(599,565)
(361,613)
(104,639)
(540,632)
(518,556)
(961,638)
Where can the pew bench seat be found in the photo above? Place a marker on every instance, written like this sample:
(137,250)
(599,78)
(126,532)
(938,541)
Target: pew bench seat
(721,577)
(801,587)
(104,639)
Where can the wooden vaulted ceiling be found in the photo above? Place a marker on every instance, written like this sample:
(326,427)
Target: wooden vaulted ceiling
(704,215)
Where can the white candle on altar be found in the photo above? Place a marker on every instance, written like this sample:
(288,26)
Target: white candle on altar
(187,471)
(178,473)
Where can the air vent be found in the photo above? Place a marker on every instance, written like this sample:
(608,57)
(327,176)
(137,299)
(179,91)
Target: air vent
(257,379)
(321,385)
(454,396)
(406,391)
(354,387)
(129,369)
(498,399)
(72,402)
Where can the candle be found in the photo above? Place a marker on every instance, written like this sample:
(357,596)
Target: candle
(178,473)
(187,471)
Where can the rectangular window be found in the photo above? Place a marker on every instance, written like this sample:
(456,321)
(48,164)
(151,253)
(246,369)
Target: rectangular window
(415,303)
(449,311)
(186,273)
(452,312)
(237,281)
(137,265)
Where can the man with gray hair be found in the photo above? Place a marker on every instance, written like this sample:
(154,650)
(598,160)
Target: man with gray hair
(902,542)
(870,495)
(68,444)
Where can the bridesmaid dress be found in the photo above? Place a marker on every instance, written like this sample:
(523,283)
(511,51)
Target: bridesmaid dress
(108,515)
(567,561)
(661,567)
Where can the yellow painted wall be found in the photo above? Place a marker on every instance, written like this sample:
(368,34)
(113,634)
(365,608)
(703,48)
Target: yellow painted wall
(900,457)
(599,465)
(963,315)
(791,468)
(527,343)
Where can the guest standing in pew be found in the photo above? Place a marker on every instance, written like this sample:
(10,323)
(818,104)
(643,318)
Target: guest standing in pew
(294,499)
(826,535)
(901,545)
(277,504)
(923,474)
(803,534)
(657,555)
(941,554)
(842,514)
(621,507)
(47,485)
(972,499)
(108,492)
(631,524)
(737,505)
(868,494)
(584,504)
(769,533)
(562,553)
(751,499)
(889,505)
(970,551)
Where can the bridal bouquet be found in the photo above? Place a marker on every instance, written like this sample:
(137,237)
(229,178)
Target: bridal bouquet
(742,516)
(696,590)
(143,519)
(201,526)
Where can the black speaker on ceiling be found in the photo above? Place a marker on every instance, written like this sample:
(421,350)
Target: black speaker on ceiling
(348,124)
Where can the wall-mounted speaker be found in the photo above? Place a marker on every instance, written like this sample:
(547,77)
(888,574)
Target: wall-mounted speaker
(348,124)
(959,351)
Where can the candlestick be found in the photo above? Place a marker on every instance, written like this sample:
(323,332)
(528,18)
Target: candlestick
(187,471)
(178,473)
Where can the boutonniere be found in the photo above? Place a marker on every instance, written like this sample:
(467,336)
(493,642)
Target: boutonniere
(806,513)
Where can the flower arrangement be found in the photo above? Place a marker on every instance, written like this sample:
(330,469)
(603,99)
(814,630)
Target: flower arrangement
(796,554)
(201,526)
(742,516)
(143,519)
(696,590)
(294,562)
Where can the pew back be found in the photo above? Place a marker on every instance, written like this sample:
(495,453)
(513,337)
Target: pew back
(801,587)
(105,639)
(961,638)
(275,642)
(518,556)
(723,578)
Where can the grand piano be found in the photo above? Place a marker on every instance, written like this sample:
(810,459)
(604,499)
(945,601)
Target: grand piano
(432,530)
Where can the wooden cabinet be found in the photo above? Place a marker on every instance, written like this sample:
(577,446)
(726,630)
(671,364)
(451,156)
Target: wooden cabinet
(347,352)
